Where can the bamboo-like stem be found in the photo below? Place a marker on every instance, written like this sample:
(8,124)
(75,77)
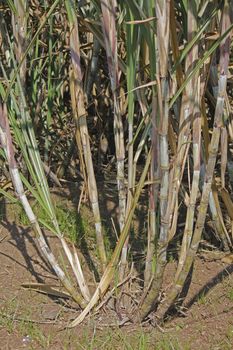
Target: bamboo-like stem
(132,56)
(163,15)
(224,143)
(6,142)
(31,143)
(213,151)
(77,131)
(93,66)
(190,254)
(153,197)
(82,122)
(217,217)
(174,43)
(187,236)
(214,204)
(152,56)
(35,159)
(110,37)
(19,24)
(193,92)
(186,112)
(109,271)
(76,267)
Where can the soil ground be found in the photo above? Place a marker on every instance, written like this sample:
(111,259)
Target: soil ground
(32,320)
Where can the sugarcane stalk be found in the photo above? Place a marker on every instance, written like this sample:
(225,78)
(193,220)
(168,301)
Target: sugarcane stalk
(224,144)
(214,205)
(153,197)
(190,254)
(6,142)
(77,130)
(111,268)
(213,151)
(187,236)
(93,66)
(132,57)
(216,213)
(110,37)
(163,15)
(19,24)
(185,111)
(193,94)
(82,123)
(30,140)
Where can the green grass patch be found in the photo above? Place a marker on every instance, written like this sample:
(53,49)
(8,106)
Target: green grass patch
(72,224)
(31,333)
(230,294)
(202,299)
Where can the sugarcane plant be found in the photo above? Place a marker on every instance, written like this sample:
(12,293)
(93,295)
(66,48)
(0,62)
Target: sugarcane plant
(153,73)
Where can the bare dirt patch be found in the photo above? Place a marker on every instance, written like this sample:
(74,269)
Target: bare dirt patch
(31,320)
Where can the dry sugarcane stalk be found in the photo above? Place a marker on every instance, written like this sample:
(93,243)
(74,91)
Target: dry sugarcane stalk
(76,267)
(37,164)
(7,145)
(93,67)
(174,43)
(153,197)
(110,37)
(186,111)
(193,92)
(217,217)
(224,144)
(214,204)
(109,271)
(133,48)
(187,236)
(82,123)
(19,24)
(163,15)
(26,118)
(77,131)
(151,233)
(149,58)
(213,151)
(31,141)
